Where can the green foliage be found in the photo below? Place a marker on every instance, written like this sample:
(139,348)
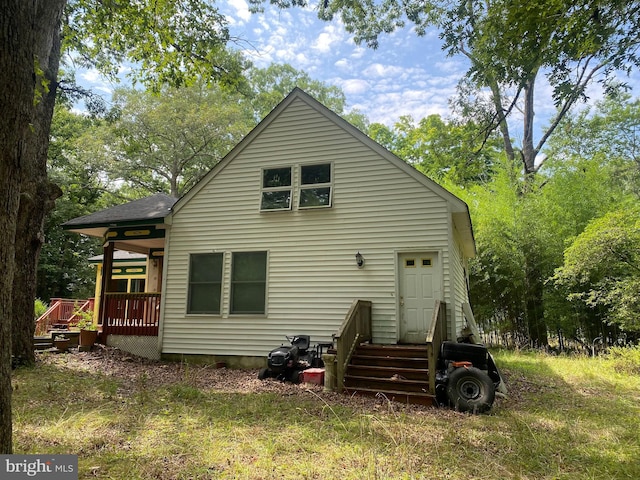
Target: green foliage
(170,42)
(522,228)
(447,151)
(63,270)
(602,266)
(39,308)
(625,359)
(508,45)
(86,319)
(166,142)
(269,86)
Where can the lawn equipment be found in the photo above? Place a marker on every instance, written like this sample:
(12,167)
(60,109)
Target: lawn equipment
(287,361)
(467,377)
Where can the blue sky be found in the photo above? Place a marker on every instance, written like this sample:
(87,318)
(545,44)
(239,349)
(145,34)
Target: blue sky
(406,75)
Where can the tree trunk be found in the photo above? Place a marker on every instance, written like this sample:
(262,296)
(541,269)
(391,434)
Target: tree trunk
(16,98)
(496,97)
(534,306)
(37,194)
(529,152)
(23,24)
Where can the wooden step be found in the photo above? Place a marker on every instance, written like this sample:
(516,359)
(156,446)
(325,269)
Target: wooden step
(394,383)
(399,362)
(421,374)
(395,396)
(397,351)
(42,343)
(396,372)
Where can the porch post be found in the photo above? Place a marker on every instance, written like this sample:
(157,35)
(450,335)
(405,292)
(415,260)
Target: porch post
(107,267)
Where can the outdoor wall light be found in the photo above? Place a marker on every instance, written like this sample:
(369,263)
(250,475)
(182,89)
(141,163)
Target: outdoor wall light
(359,260)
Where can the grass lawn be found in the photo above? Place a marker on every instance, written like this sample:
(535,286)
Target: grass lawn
(565,418)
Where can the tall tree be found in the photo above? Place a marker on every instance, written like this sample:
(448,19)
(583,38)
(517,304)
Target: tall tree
(167,142)
(63,270)
(30,49)
(171,40)
(510,45)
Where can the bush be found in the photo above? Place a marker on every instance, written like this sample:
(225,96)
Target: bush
(39,308)
(625,359)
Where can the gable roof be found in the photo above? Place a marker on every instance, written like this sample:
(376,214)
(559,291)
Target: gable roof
(146,211)
(458,208)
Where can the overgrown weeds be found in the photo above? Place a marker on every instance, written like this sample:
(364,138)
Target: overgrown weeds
(565,418)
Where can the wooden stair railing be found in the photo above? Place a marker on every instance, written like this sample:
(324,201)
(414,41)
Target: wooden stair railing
(355,329)
(435,336)
(61,311)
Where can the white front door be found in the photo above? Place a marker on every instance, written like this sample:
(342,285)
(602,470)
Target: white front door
(420,286)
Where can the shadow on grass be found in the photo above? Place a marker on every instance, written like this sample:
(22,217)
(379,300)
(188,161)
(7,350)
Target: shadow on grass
(561,420)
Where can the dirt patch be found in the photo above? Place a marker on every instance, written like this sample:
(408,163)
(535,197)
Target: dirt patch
(132,372)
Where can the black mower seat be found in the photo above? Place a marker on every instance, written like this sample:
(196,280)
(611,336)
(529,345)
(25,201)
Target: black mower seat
(301,341)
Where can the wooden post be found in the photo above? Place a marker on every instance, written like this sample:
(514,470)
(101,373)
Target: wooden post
(107,267)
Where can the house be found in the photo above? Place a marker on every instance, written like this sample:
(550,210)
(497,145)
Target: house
(305,223)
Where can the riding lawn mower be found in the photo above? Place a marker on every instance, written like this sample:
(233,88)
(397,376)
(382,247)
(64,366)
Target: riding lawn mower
(287,362)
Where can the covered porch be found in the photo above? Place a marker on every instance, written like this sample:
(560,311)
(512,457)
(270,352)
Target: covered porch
(128,296)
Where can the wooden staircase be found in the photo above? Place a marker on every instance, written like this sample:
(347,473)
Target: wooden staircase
(399,372)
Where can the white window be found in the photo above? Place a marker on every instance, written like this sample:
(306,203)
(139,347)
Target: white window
(276,189)
(315,186)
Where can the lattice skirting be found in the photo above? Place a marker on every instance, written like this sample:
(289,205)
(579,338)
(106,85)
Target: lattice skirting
(146,347)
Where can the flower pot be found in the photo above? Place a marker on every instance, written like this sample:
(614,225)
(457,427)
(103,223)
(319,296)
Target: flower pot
(62,344)
(87,339)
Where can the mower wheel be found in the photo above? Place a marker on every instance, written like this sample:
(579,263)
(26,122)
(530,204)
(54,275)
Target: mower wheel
(264,373)
(470,390)
(294,376)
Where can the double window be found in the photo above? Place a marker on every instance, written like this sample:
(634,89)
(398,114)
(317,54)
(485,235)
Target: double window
(314,187)
(248,283)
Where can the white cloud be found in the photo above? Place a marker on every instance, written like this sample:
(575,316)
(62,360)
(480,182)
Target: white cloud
(382,71)
(353,86)
(241,10)
(329,40)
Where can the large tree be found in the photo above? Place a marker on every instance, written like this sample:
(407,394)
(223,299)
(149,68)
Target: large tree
(445,150)
(171,41)
(167,142)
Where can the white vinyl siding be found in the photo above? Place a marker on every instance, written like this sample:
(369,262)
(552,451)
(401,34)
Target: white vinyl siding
(312,277)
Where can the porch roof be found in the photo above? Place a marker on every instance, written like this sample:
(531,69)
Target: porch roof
(146,211)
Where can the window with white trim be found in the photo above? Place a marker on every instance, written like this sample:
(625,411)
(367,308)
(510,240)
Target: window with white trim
(276,189)
(205,283)
(315,186)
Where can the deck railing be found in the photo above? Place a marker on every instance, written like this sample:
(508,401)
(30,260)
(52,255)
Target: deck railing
(131,314)
(435,337)
(61,313)
(355,329)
